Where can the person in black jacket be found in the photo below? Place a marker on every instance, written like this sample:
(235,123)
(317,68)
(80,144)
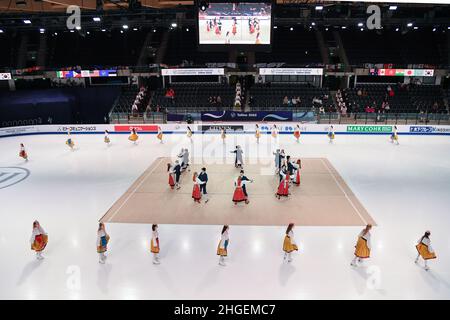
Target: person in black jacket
(203,176)
(177,172)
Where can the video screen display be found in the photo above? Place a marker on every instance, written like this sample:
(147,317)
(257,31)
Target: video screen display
(232,23)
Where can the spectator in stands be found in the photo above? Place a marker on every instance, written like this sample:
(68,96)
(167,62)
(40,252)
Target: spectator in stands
(218,100)
(134,110)
(285,100)
(170,93)
(359,93)
(322,110)
(294,101)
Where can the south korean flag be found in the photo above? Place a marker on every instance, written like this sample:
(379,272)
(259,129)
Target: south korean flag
(5,76)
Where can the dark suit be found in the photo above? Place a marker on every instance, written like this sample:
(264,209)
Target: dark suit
(203,176)
(244,178)
(177,171)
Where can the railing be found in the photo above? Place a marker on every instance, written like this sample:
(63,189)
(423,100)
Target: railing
(146,117)
(384,118)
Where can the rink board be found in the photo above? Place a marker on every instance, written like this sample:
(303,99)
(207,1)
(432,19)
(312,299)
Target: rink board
(322,199)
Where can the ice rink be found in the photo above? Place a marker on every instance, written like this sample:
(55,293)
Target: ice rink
(405,188)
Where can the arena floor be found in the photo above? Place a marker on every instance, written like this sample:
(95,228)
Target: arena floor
(322,199)
(405,189)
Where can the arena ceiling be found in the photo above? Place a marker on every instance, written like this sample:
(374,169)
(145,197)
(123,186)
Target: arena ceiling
(61,5)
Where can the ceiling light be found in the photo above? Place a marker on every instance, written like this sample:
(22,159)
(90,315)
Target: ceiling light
(174,25)
(26,21)
(125,26)
(318,8)
(78,27)
(96,19)
(360,24)
(103,30)
(392,7)
(409,24)
(291,29)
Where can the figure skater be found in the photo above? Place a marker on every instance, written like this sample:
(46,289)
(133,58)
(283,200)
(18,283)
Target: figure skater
(424,249)
(184,156)
(196,194)
(189,133)
(106,139)
(283,187)
(274,130)
(257,41)
(297,133)
(240,192)
(160,135)
(297,175)
(227,37)
(102,243)
(22,153)
(363,246)
(133,136)
(394,136)
(69,140)
(154,244)
(331,134)
(39,240)
(222,249)
(177,173)
(203,177)
(223,134)
(289,244)
(238,160)
(171,174)
(257,133)
(277,160)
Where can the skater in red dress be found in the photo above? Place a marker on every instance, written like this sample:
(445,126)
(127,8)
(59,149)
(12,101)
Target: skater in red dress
(297,174)
(240,194)
(283,188)
(233,31)
(196,194)
(171,180)
(23,153)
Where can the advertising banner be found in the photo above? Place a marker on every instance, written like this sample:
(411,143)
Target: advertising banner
(372,129)
(193,72)
(291,71)
(246,116)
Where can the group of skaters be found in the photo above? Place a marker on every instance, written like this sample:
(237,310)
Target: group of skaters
(39,241)
(215,25)
(134,137)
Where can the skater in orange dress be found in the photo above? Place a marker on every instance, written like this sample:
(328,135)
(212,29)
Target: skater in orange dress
(154,244)
(133,136)
(289,244)
(222,248)
(363,246)
(171,173)
(160,135)
(196,194)
(274,130)
(297,133)
(39,240)
(22,153)
(283,188)
(424,249)
(234,29)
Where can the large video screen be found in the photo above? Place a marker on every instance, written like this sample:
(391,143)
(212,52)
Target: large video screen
(235,23)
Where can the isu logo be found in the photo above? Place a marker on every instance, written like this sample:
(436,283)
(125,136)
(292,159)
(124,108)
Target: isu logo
(10,176)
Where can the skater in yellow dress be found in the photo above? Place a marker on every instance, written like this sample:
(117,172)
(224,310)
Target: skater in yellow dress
(189,133)
(297,133)
(289,244)
(106,139)
(223,134)
(274,130)
(160,135)
(22,153)
(154,244)
(394,136)
(222,248)
(363,246)
(69,140)
(331,134)
(102,243)
(38,240)
(424,249)
(133,136)
(257,133)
